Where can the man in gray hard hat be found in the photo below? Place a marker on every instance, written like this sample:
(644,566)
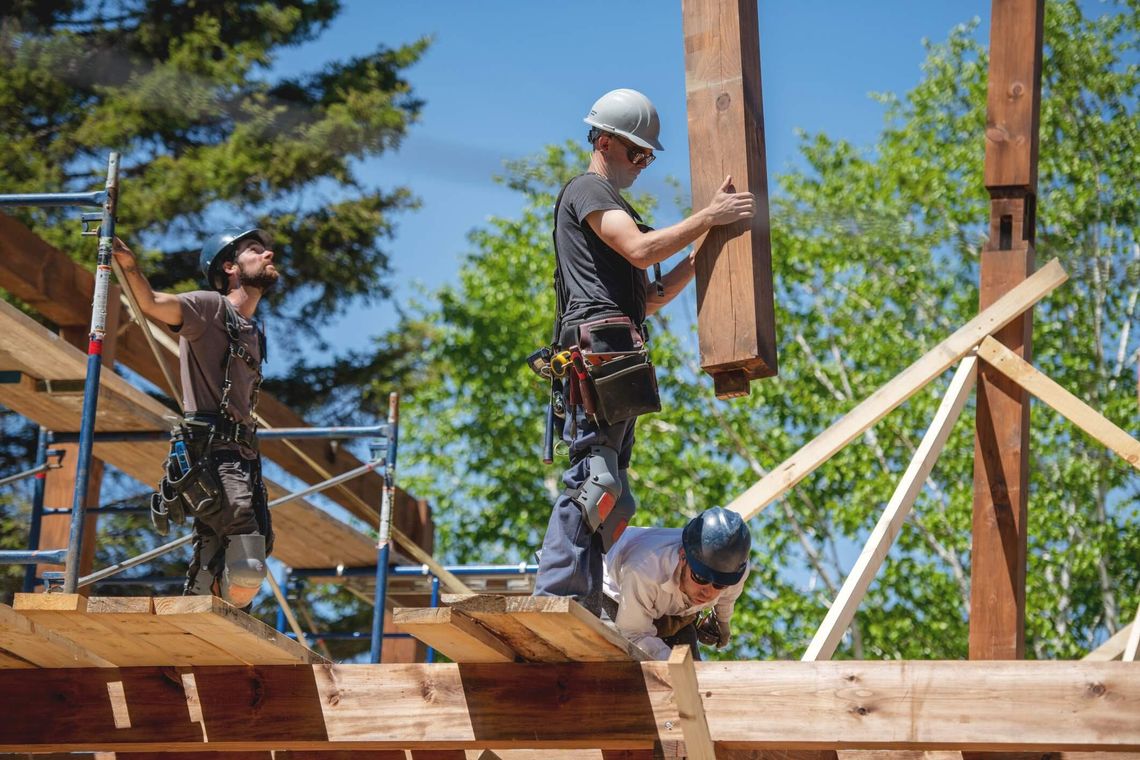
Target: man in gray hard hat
(604,296)
(658,582)
(213,473)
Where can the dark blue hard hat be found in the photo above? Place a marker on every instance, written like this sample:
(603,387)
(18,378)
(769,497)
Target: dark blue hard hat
(717,544)
(221,248)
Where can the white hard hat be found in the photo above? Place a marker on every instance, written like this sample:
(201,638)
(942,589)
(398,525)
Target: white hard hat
(627,113)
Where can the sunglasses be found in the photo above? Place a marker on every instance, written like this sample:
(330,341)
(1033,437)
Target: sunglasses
(637,156)
(705,581)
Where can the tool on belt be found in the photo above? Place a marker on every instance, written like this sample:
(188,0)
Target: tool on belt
(190,483)
(603,367)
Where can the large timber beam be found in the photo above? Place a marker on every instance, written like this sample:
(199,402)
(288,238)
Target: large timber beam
(1010,706)
(735,312)
(1001,448)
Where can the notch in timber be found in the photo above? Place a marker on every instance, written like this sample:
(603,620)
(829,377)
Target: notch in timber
(1012,219)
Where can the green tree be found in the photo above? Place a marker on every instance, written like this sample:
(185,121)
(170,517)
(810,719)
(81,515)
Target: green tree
(876,260)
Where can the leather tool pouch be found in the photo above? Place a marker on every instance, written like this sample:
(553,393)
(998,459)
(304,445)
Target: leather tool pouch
(197,490)
(625,386)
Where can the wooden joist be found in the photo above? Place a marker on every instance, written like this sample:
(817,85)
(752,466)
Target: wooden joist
(1011,706)
(141,631)
(735,310)
(491,628)
(904,385)
(690,706)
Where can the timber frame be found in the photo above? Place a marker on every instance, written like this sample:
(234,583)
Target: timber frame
(542,676)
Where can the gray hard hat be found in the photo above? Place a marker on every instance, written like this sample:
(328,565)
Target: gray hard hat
(627,113)
(221,248)
(717,544)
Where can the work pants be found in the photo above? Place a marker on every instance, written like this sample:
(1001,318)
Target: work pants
(571,560)
(244,510)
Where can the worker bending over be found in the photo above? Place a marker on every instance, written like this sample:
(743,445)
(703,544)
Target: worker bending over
(658,581)
(213,473)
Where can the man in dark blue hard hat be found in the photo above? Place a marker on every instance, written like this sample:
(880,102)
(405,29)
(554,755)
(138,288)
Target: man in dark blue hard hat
(213,473)
(659,581)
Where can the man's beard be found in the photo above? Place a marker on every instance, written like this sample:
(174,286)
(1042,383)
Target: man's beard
(263,280)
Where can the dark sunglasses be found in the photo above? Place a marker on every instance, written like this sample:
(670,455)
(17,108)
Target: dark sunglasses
(637,156)
(705,581)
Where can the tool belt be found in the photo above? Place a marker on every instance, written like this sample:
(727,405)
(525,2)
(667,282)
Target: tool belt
(190,484)
(615,381)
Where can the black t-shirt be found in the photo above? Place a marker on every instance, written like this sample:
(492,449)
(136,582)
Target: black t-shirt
(597,281)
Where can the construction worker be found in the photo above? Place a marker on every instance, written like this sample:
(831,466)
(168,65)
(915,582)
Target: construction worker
(658,581)
(603,251)
(214,471)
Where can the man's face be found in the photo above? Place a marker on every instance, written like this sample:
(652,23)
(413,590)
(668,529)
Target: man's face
(255,267)
(696,593)
(626,159)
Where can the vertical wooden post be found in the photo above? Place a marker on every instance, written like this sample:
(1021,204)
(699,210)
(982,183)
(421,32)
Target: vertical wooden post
(59,485)
(1001,447)
(735,314)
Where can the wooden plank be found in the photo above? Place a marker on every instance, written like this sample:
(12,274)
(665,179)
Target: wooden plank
(40,646)
(690,708)
(1113,648)
(896,391)
(1072,408)
(134,622)
(907,705)
(735,312)
(244,637)
(452,633)
(842,610)
(568,632)
(1129,654)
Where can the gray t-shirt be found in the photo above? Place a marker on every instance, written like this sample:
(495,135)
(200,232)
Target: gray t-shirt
(202,347)
(597,280)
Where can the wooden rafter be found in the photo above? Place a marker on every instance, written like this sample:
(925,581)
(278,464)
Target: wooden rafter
(690,707)
(842,610)
(904,385)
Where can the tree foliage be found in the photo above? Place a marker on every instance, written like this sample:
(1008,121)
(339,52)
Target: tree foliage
(876,260)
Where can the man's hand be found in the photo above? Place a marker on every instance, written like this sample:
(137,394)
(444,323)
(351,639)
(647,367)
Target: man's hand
(724,633)
(125,256)
(728,206)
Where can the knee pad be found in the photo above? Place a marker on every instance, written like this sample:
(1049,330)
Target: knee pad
(602,489)
(618,519)
(245,563)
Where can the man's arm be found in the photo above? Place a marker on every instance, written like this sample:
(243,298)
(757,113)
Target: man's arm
(644,249)
(672,283)
(162,306)
(635,615)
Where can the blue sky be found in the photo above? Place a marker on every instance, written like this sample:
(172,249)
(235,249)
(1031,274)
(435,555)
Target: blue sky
(503,79)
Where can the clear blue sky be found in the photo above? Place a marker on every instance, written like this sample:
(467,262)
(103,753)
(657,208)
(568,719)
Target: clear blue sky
(503,79)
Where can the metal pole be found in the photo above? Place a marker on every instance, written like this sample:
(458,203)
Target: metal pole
(434,603)
(37,557)
(37,509)
(93,199)
(263,434)
(91,386)
(388,493)
(145,557)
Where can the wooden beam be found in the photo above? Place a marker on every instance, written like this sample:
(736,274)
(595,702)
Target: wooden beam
(842,610)
(736,318)
(904,385)
(547,628)
(42,647)
(453,634)
(1113,648)
(690,707)
(1072,408)
(1001,448)
(1011,706)
(1129,654)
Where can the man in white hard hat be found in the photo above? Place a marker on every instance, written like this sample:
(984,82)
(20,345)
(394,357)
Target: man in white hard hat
(603,252)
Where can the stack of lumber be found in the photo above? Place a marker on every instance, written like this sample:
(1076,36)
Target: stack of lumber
(475,628)
(72,631)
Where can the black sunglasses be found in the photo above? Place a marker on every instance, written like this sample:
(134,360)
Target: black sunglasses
(705,581)
(637,156)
